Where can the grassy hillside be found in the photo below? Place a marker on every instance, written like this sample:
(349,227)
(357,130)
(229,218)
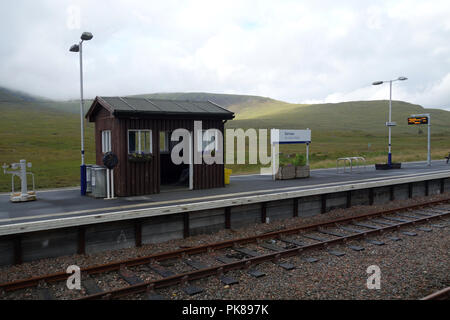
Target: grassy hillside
(8,95)
(224,100)
(47,132)
(73,106)
(354,128)
(21,99)
(48,138)
(367,116)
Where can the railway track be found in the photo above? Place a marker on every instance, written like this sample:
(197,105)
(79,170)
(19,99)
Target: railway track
(181,267)
(443,294)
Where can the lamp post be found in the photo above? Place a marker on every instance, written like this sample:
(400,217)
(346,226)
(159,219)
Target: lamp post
(390,123)
(79,48)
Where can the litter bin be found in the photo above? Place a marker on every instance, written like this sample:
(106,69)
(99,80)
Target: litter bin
(98,181)
(227,175)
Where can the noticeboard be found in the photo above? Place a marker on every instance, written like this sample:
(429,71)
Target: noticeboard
(282,136)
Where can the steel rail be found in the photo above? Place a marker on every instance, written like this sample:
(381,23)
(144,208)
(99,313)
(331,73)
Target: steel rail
(443,294)
(113,266)
(245,263)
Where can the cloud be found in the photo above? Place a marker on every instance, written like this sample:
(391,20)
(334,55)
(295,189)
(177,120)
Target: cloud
(295,51)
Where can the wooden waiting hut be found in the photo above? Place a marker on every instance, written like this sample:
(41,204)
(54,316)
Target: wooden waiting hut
(138,131)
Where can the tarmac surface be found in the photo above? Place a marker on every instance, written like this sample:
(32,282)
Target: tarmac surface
(67,202)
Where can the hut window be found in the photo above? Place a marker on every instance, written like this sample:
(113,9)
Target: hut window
(106,141)
(163,141)
(139,141)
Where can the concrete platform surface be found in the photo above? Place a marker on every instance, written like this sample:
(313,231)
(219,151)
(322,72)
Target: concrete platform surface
(65,203)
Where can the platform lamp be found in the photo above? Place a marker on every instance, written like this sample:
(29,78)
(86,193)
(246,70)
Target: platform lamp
(79,48)
(390,123)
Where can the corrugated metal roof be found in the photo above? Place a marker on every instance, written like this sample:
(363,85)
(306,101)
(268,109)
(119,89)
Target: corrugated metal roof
(167,107)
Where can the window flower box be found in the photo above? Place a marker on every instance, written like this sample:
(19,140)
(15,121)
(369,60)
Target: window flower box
(140,157)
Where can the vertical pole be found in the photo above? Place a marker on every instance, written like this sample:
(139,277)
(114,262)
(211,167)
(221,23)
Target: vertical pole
(82,167)
(307,154)
(389,127)
(23,177)
(274,165)
(429,141)
(107,185)
(112,183)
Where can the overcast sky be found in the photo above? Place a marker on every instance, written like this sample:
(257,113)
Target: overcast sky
(296,51)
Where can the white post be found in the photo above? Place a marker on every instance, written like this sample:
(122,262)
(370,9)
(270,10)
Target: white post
(390,120)
(274,165)
(307,154)
(107,184)
(23,177)
(112,183)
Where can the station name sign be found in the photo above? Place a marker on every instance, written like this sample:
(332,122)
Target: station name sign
(283,136)
(417,120)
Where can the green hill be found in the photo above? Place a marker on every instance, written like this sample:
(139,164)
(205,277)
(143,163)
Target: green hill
(365,116)
(12,97)
(73,106)
(224,100)
(49,138)
(8,95)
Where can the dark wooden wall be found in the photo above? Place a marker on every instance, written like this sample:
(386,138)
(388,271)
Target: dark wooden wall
(134,178)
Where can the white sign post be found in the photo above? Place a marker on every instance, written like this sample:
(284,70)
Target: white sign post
(282,136)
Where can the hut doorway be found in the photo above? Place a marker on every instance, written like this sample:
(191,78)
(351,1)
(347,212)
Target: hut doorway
(172,176)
